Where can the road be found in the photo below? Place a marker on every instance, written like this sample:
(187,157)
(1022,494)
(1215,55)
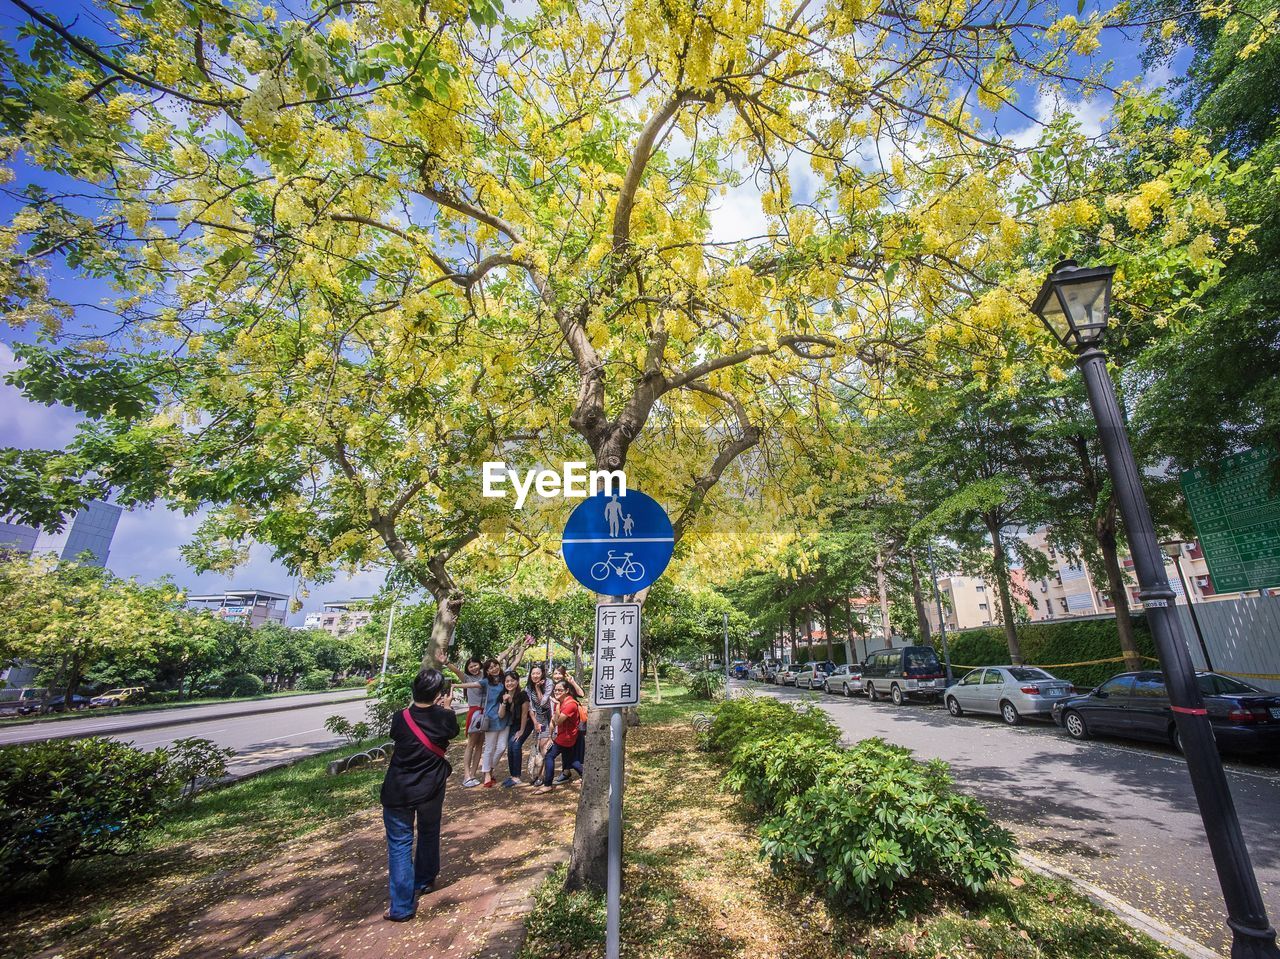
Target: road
(260,739)
(1121,816)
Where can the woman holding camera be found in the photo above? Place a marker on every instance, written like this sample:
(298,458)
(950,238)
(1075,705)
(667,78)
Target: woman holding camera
(413,789)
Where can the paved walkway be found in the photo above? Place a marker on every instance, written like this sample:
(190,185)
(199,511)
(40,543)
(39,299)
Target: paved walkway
(326,900)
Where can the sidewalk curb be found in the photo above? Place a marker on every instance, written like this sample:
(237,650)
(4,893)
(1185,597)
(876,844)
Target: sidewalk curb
(274,707)
(508,932)
(1147,924)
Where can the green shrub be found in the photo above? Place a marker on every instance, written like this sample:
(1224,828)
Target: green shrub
(706,684)
(761,717)
(670,672)
(245,684)
(317,679)
(869,826)
(193,760)
(352,732)
(64,800)
(386,699)
(1067,641)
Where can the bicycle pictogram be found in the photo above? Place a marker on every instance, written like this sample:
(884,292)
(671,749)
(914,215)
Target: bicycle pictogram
(622,565)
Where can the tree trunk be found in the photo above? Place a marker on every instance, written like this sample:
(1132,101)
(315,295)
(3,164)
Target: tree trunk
(826,622)
(589,860)
(443,625)
(793,634)
(1001,567)
(917,596)
(657,686)
(808,634)
(1105,533)
(74,672)
(883,586)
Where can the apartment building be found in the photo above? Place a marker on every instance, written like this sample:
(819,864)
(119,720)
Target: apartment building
(1071,590)
(967,602)
(253,607)
(341,617)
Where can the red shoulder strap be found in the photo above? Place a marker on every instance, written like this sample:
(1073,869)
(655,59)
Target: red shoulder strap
(422,737)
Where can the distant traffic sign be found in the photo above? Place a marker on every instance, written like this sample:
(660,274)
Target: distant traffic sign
(1237,519)
(616,544)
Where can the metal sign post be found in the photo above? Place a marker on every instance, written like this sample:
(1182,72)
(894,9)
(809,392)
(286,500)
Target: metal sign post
(726,652)
(615,685)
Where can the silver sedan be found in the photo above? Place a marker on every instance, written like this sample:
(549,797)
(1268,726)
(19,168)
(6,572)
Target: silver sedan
(1011,692)
(786,675)
(846,680)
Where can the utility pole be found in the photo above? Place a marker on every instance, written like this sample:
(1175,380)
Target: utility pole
(386,647)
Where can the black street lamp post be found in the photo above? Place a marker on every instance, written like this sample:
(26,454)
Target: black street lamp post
(1073,303)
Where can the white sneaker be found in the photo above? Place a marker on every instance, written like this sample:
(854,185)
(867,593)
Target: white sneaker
(468,783)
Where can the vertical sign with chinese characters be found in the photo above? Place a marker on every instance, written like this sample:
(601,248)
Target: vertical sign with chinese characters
(615,678)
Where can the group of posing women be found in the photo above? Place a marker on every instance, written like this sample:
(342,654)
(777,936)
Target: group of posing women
(503,712)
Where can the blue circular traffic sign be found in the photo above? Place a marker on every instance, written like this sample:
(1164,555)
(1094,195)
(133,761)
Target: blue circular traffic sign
(618,543)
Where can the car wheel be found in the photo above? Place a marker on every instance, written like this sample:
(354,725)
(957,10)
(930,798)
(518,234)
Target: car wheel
(844,688)
(1009,713)
(1175,738)
(872,694)
(895,694)
(953,707)
(1074,723)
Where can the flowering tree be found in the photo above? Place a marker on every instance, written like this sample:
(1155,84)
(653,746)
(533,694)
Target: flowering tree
(68,616)
(355,250)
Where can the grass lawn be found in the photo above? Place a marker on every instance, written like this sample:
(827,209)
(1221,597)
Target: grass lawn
(151,707)
(694,886)
(223,829)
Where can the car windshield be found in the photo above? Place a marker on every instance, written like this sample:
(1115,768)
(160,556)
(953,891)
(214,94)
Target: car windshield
(1212,684)
(1022,674)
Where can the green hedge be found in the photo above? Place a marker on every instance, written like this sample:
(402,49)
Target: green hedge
(1045,644)
(868,826)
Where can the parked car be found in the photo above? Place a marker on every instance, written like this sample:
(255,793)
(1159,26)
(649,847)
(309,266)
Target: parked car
(1011,692)
(786,675)
(845,680)
(771,667)
(117,696)
(810,676)
(907,671)
(57,704)
(739,668)
(1136,706)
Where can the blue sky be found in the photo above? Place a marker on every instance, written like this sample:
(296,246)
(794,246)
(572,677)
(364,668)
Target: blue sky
(147,540)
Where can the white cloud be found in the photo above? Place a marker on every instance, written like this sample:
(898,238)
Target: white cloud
(28,425)
(1160,76)
(1091,114)
(738,215)
(148,544)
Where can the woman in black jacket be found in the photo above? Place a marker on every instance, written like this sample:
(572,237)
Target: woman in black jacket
(414,788)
